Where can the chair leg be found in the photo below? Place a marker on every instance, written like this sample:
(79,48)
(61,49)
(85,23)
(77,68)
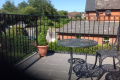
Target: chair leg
(95,61)
(114,63)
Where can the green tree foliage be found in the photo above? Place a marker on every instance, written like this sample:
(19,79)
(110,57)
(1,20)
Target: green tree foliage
(17,30)
(9,6)
(4,11)
(62,12)
(34,7)
(40,5)
(44,7)
(22,5)
(29,10)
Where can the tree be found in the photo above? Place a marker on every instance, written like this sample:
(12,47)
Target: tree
(4,11)
(44,7)
(62,12)
(9,6)
(22,5)
(29,10)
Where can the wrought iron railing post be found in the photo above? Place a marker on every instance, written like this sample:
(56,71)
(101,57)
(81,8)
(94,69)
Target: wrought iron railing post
(36,32)
(1,36)
(118,46)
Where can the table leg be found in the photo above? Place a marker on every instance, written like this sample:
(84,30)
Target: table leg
(71,64)
(114,62)
(87,66)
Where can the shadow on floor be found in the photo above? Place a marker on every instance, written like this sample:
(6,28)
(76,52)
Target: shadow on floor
(113,75)
(50,53)
(8,72)
(80,70)
(77,61)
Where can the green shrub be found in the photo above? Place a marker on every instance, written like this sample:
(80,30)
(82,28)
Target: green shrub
(16,43)
(31,23)
(55,46)
(39,28)
(40,22)
(16,47)
(17,30)
(45,22)
(42,39)
(59,25)
(50,23)
(3,33)
(64,21)
(90,50)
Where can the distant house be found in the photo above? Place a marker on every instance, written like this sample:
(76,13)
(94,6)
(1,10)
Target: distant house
(72,14)
(102,32)
(96,9)
(94,31)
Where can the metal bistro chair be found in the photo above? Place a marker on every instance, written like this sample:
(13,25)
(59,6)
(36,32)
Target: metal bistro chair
(114,52)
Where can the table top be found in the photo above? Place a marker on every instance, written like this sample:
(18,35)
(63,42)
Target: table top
(77,42)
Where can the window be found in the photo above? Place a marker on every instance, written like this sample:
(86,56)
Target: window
(78,36)
(106,39)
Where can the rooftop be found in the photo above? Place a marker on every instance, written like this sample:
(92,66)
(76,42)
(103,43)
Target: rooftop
(73,13)
(86,27)
(107,4)
(90,5)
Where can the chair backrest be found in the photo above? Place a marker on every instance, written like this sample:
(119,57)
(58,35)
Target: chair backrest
(117,41)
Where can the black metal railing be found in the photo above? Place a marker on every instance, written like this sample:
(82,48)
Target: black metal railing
(18,33)
(17,40)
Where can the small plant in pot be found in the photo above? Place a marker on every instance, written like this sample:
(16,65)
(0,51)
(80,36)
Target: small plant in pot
(42,46)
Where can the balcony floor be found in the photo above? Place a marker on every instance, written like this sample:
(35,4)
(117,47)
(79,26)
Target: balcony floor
(55,66)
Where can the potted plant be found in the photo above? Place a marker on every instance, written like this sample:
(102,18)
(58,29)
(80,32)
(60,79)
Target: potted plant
(42,46)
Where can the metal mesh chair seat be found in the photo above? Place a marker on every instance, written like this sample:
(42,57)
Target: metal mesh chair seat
(107,53)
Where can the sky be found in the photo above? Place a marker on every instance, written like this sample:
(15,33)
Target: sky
(67,5)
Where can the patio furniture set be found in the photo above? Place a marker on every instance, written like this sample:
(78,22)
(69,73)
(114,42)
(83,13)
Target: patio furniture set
(102,54)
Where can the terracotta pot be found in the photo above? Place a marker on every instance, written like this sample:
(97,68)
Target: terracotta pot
(42,50)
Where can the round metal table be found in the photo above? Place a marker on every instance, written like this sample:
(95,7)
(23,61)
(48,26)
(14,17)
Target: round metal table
(76,43)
